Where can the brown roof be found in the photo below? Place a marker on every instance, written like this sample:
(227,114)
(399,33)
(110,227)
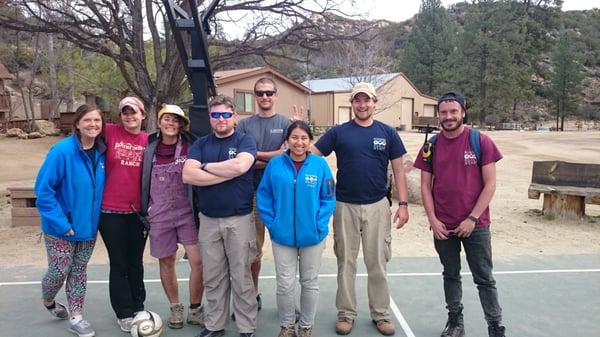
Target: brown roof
(226,76)
(4,74)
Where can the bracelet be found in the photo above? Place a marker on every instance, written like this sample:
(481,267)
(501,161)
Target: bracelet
(473,218)
(403,203)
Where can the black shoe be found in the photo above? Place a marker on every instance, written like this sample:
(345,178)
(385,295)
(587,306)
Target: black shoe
(210,333)
(233,316)
(247,334)
(496,330)
(259,300)
(454,326)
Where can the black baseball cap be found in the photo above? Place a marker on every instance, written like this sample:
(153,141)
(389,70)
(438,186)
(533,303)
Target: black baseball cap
(453,96)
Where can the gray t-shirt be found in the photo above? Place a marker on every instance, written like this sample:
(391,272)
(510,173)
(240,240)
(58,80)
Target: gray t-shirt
(268,132)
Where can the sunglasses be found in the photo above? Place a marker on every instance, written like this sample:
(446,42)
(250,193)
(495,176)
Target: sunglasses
(217,115)
(260,93)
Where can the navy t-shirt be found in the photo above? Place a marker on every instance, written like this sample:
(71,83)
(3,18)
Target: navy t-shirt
(363,154)
(232,197)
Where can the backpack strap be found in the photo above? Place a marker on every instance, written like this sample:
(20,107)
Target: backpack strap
(475,142)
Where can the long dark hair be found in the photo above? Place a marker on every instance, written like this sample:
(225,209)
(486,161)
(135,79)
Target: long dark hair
(83,110)
(299,125)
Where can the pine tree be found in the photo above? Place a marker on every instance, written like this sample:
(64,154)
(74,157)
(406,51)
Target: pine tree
(430,43)
(566,79)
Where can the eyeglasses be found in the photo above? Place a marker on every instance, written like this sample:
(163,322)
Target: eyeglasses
(217,115)
(260,93)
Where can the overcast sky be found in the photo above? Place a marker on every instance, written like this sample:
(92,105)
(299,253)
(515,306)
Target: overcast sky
(394,10)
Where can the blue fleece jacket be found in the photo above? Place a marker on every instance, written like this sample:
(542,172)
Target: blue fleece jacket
(69,190)
(296,205)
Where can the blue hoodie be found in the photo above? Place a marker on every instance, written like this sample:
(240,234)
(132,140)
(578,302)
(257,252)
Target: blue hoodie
(296,205)
(69,190)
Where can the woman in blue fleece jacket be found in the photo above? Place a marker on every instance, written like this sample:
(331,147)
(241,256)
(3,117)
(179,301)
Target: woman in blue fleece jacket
(295,199)
(68,189)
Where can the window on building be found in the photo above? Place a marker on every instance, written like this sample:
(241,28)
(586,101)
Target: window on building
(244,102)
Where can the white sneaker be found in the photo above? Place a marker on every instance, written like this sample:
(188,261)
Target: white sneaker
(125,323)
(82,329)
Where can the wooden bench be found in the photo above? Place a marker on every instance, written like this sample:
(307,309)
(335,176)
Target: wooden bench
(567,187)
(23,211)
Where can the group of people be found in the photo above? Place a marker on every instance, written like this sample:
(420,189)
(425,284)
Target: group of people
(216,195)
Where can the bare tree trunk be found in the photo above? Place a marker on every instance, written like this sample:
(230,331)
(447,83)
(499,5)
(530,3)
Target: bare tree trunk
(69,66)
(54,106)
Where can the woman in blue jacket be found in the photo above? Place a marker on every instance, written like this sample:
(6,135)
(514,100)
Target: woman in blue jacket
(295,199)
(69,188)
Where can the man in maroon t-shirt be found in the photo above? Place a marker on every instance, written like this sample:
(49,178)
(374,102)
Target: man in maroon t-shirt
(456,202)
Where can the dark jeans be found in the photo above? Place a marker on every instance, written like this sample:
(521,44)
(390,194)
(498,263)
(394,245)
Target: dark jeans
(124,239)
(478,249)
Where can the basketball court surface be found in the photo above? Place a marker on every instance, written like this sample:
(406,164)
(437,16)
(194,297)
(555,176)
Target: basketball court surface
(545,296)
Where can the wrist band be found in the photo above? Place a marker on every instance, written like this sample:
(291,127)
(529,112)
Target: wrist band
(403,203)
(472,218)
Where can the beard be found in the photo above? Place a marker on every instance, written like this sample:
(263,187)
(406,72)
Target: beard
(458,121)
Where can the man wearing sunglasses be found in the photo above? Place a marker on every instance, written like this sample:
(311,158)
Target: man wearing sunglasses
(220,166)
(268,130)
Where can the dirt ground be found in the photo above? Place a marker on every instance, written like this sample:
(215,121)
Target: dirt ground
(518,226)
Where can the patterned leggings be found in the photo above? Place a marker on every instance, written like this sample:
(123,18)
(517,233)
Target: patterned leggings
(67,260)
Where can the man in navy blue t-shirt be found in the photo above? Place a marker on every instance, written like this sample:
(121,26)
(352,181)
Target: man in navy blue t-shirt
(220,166)
(364,147)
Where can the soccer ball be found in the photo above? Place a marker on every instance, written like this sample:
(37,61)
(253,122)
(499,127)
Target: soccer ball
(146,324)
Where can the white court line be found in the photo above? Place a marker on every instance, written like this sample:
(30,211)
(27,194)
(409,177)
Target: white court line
(403,323)
(272,277)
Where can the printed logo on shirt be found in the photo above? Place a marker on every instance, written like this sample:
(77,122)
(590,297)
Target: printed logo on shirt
(232,152)
(379,144)
(470,158)
(276,131)
(310,180)
(129,154)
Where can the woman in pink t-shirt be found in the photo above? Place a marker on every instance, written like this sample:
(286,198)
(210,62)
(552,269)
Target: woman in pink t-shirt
(122,231)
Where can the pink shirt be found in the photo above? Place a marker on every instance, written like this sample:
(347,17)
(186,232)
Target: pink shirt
(457,177)
(124,153)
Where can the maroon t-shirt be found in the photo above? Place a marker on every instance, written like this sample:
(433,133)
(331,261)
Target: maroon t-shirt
(165,154)
(457,177)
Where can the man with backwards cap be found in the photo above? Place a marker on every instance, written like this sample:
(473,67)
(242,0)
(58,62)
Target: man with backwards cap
(167,203)
(363,148)
(456,203)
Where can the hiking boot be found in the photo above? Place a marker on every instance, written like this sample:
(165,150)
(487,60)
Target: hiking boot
(125,323)
(58,310)
(287,331)
(259,301)
(385,327)
(82,329)
(176,319)
(196,316)
(496,330)
(343,326)
(454,326)
(305,331)
(210,333)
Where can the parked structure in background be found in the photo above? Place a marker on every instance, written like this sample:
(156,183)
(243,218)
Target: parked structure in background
(239,84)
(400,102)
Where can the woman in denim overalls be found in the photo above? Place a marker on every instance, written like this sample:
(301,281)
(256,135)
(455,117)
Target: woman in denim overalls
(168,204)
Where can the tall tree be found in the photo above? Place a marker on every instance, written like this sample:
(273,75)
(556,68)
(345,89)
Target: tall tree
(117,29)
(566,79)
(430,44)
(486,70)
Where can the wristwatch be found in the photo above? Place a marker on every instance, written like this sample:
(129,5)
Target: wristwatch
(473,218)
(403,203)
